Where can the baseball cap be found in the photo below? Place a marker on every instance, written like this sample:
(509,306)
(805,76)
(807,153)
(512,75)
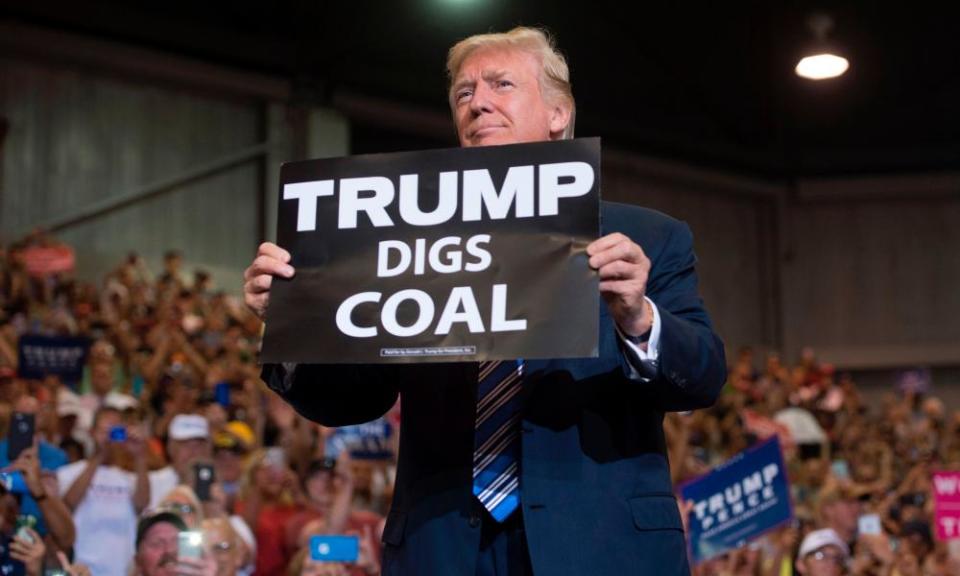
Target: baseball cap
(120,402)
(236,435)
(242,431)
(188,427)
(819,538)
(148,521)
(69,405)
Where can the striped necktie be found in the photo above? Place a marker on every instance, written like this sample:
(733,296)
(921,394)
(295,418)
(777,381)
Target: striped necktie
(496,455)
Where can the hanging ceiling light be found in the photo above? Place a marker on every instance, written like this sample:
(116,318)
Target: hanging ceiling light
(821,62)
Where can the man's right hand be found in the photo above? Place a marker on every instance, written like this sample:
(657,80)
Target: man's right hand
(271,261)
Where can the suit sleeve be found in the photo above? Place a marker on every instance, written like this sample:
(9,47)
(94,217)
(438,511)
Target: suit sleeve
(334,395)
(691,366)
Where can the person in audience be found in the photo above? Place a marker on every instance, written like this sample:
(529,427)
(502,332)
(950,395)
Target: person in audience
(183,502)
(269,498)
(157,544)
(224,545)
(231,446)
(105,497)
(328,494)
(39,465)
(839,510)
(822,553)
(102,362)
(188,440)
(22,553)
(367,564)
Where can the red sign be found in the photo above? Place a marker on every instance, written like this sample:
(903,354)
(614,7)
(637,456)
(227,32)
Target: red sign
(42,261)
(946,494)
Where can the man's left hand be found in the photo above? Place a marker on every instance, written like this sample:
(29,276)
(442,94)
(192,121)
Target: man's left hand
(623,270)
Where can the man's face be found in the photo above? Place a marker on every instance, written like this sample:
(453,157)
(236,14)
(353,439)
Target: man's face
(183,452)
(224,547)
(157,554)
(843,515)
(320,489)
(229,464)
(101,377)
(497,99)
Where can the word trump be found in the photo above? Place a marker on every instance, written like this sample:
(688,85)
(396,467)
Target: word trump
(737,498)
(471,191)
(53,357)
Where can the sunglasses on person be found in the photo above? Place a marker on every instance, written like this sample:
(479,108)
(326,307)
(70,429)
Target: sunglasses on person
(221,548)
(180,508)
(825,556)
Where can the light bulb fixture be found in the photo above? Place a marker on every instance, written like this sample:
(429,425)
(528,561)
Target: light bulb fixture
(821,66)
(821,62)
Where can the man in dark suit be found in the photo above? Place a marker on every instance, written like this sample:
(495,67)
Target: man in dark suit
(586,488)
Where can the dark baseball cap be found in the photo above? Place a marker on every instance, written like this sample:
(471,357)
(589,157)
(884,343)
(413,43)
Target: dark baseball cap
(148,521)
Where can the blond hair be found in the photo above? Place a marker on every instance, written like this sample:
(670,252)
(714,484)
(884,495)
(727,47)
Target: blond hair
(183,494)
(554,72)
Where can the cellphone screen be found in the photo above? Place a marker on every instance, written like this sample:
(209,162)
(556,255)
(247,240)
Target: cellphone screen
(118,434)
(334,548)
(190,545)
(222,394)
(21,434)
(869,524)
(840,469)
(203,479)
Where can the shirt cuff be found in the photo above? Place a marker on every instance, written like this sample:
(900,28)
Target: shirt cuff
(643,363)
(289,369)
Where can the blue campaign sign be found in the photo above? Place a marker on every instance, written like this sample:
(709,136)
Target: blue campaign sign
(738,501)
(369,441)
(43,355)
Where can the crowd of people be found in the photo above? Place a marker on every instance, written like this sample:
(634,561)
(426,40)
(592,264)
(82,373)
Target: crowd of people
(168,455)
(860,476)
(168,430)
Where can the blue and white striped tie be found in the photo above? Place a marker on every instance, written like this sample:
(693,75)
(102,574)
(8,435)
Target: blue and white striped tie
(496,454)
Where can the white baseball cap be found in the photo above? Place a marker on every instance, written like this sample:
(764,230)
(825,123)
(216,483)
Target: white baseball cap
(120,402)
(69,405)
(820,538)
(188,427)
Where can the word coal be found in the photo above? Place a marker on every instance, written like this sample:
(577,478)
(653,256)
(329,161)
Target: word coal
(461,306)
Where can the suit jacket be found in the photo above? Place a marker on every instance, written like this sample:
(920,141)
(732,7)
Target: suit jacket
(596,495)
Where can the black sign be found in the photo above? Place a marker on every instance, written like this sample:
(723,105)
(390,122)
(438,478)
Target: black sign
(43,355)
(440,255)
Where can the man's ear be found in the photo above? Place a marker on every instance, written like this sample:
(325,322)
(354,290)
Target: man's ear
(559,119)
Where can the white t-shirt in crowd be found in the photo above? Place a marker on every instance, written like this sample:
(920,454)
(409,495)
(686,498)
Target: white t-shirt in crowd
(105,519)
(162,482)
